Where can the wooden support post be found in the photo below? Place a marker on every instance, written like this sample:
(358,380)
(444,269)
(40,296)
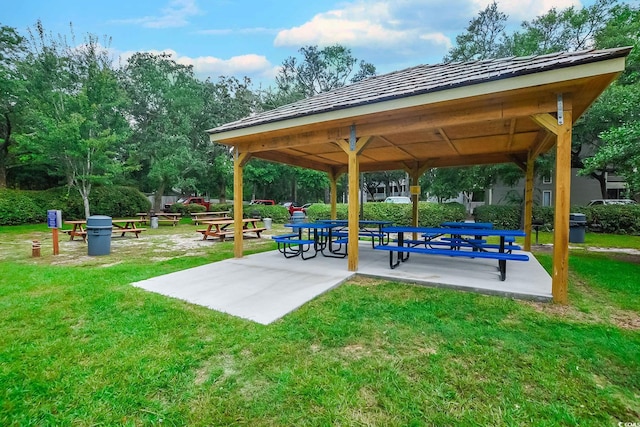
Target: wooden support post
(56,241)
(528,201)
(561,127)
(354,210)
(333,194)
(353,148)
(560,277)
(239,160)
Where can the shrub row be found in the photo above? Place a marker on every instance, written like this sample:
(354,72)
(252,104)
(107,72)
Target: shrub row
(429,214)
(614,219)
(30,207)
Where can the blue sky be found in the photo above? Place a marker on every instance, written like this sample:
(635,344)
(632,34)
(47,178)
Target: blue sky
(252,37)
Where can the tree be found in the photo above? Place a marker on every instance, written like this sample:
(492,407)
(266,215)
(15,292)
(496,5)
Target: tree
(613,122)
(75,116)
(483,38)
(320,70)
(12,47)
(616,113)
(448,183)
(372,180)
(226,100)
(165,98)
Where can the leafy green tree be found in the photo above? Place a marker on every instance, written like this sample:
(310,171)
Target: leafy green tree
(12,47)
(320,70)
(612,123)
(448,183)
(569,29)
(226,100)
(165,99)
(483,39)
(75,116)
(372,180)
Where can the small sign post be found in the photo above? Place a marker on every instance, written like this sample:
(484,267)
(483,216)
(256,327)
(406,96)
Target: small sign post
(54,222)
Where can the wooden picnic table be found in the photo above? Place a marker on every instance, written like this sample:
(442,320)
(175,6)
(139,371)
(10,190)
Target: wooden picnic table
(124,226)
(221,228)
(198,217)
(77,230)
(173,218)
(120,226)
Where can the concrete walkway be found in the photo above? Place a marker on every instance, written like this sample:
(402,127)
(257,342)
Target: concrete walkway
(265,287)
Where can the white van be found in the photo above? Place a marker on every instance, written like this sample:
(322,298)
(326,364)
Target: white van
(597,202)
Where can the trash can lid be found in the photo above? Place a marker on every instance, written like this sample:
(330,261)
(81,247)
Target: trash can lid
(95,220)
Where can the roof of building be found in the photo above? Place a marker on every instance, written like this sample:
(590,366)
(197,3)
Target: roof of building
(423,79)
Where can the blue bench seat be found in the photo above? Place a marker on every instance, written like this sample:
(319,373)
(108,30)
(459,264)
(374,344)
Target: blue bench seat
(501,257)
(290,245)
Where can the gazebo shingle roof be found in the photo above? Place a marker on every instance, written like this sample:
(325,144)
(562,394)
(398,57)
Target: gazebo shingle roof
(422,79)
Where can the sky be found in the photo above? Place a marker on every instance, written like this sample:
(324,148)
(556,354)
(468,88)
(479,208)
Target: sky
(252,37)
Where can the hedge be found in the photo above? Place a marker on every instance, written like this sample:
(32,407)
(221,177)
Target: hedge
(612,219)
(30,207)
(429,214)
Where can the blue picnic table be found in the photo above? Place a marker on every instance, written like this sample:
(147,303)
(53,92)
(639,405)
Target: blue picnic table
(366,227)
(462,242)
(311,235)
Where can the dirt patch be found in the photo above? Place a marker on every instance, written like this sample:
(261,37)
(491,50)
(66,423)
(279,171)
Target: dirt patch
(626,320)
(152,245)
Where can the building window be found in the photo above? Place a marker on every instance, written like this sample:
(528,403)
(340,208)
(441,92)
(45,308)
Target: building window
(546,179)
(546,198)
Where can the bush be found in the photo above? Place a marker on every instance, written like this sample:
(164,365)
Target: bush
(18,207)
(616,219)
(505,217)
(30,207)
(613,219)
(186,210)
(545,215)
(429,214)
(278,213)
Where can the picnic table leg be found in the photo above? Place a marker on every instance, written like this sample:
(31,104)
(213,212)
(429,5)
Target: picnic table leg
(502,264)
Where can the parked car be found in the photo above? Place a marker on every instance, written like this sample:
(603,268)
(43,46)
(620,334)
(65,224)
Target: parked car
(397,199)
(598,202)
(263,202)
(191,200)
(294,207)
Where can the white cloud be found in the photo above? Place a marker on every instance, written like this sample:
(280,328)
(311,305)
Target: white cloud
(174,15)
(404,32)
(250,65)
(526,10)
(363,24)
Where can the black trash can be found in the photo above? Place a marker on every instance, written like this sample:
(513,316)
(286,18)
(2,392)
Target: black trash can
(577,227)
(99,234)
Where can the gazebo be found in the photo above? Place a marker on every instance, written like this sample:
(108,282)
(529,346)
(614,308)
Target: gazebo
(444,115)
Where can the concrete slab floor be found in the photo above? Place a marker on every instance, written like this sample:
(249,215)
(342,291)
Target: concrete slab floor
(265,287)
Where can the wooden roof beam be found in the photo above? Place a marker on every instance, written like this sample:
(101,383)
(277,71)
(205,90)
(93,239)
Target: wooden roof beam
(288,159)
(428,118)
(444,136)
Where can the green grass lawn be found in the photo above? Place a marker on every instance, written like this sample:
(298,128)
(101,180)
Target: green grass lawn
(80,346)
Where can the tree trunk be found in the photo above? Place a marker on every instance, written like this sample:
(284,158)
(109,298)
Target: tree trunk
(601,177)
(4,151)
(157,198)
(84,192)
(222,195)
